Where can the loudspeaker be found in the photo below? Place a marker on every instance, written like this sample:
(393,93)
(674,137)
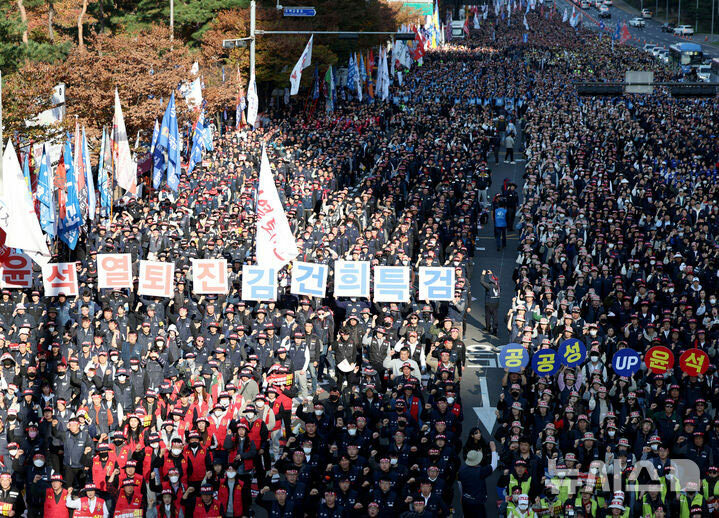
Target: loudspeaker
(600,90)
(693,90)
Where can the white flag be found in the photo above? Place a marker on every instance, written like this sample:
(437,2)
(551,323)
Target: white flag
(17,211)
(384,92)
(526,25)
(125,166)
(476,20)
(304,61)
(565,16)
(275,245)
(252,100)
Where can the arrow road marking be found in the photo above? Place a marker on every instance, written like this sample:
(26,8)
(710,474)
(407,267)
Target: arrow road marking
(485,413)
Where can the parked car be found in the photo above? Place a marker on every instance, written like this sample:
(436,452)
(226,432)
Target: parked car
(604,12)
(648,47)
(684,30)
(646,13)
(668,27)
(704,73)
(608,3)
(663,56)
(637,22)
(656,50)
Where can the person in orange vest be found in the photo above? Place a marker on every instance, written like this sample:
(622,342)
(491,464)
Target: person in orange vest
(55,499)
(129,473)
(171,483)
(130,503)
(206,505)
(207,438)
(119,451)
(175,458)
(230,493)
(197,460)
(167,507)
(102,466)
(88,506)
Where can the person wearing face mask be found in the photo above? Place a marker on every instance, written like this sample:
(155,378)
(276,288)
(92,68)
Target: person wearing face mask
(37,477)
(230,493)
(102,466)
(198,461)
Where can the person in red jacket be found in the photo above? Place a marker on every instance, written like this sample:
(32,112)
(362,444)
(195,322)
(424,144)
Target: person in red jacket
(167,507)
(130,503)
(198,461)
(102,466)
(55,497)
(206,506)
(230,494)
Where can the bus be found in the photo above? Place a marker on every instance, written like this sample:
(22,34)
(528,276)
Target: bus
(686,55)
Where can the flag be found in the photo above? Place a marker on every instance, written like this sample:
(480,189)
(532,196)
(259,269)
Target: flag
(315,84)
(625,35)
(357,78)
(565,16)
(159,152)
(196,153)
(574,19)
(330,85)
(89,183)
(155,134)
(59,185)
(476,21)
(69,228)
(79,167)
(17,211)
(465,28)
(525,37)
(103,173)
(370,83)
(351,81)
(252,100)
(125,166)
(383,92)
(45,196)
(526,25)
(362,72)
(302,63)
(241,103)
(275,245)
(26,169)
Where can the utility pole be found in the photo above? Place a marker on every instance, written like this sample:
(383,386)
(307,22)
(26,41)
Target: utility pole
(712,36)
(253,7)
(696,18)
(666,13)
(172,20)
(679,14)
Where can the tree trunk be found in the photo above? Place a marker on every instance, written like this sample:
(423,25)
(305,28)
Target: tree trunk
(80,40)
(102,16)
(23,19)
(50,18)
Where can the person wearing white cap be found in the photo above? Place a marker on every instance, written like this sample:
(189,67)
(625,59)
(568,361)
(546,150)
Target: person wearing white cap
(616,508)
(472,481)
(522,510)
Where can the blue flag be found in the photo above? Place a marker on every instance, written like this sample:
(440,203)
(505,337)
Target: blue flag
(103,178)
(618,32)
(316,85)
(155,134)
(197,143)
(166,156)
(89,182)
(69,229)
(45,196)
(351,74)
(26,169)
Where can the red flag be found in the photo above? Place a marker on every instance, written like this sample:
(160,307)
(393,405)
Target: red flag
(466,26)
(625,35)
(60,179)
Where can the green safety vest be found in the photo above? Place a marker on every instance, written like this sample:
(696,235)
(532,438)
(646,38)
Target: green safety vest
(578,504)
(523,486)
(647,507)
(563,485)
(685,505)
(705,488)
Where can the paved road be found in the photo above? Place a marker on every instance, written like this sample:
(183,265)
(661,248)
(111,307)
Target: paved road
(481,383)
(651,33)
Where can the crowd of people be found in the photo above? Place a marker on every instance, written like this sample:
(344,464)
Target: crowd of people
(116,404)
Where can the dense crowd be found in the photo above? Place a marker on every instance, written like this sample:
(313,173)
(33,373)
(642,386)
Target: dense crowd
(121,405)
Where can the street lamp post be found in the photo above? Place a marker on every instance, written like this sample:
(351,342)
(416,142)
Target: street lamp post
(172,20)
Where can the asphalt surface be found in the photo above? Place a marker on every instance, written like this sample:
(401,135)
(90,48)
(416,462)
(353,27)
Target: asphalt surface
(650,34)
(481,383)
